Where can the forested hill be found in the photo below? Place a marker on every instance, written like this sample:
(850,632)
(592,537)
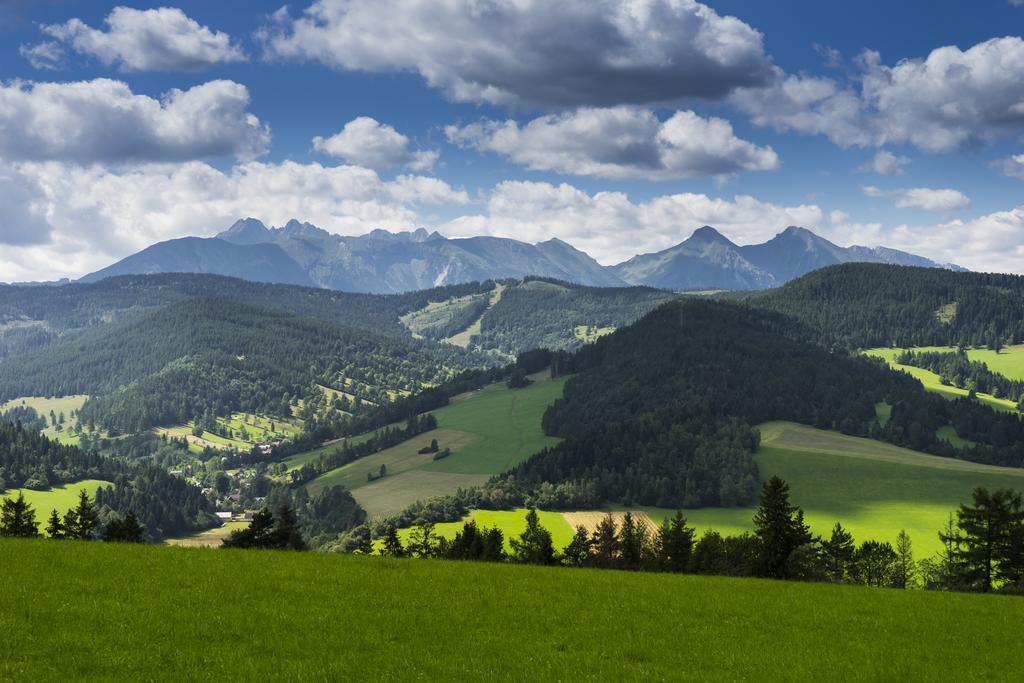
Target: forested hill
(660,413)
(31,317)
(199,356)
(866,305)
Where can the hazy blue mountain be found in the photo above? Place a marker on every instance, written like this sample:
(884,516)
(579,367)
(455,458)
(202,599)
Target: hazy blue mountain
(378,262)
(264,262)
(707,260)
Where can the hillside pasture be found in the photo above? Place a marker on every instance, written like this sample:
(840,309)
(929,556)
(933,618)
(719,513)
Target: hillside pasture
(210,538)
(465,337)
(60,498)
(488,431)
(58,404)
(931,380)
(106,611)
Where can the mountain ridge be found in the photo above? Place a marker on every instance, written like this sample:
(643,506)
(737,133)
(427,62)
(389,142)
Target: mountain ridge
(383,262)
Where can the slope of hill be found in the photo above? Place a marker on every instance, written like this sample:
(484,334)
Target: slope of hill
(869,305)
(72,612)
(708,260)
(487,431)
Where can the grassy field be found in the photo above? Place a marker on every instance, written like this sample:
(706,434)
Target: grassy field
(1010,362)
(60,498)
(107,611)
(258,428)
(874,489)
(511,522)
(589,333)
(211,538)
(59,404)
(488,431)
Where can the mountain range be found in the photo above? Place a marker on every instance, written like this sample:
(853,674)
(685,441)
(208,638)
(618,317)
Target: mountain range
(385,262)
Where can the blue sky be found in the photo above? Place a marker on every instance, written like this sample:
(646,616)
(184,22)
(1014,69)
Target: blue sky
(619,127)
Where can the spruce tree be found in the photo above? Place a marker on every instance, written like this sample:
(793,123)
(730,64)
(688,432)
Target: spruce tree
(906,571)
(838,552)
(577,553)
(534,545)
(54,528)
(779,528)
(675,544)
(80,522)
(421,541)
(392,545)
(605,543)
(986,533)
(18,518)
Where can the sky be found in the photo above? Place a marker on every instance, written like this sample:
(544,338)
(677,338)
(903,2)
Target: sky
(619,126)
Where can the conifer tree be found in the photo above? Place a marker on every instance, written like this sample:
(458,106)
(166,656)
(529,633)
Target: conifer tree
(605,543)
(54,528)
(534,545)
(675,544)
(577,553)
(838,552)
(906,571)
(392,545)
(18,518)
(779,527)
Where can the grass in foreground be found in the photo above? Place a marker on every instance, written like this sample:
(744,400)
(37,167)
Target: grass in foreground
(76,610)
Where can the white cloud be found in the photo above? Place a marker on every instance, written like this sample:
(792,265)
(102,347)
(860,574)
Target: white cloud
(571,52)
(22,220)
(612,228)
(104,121)
(367,142)
(163,39)
(924,198)
(95,216)
(949,100)
(886,163)
(45,55)
(1012,166)
(993,242)
(620,142)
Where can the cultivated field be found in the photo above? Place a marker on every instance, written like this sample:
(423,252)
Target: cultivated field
(211,538)
(75,610)
(488,431)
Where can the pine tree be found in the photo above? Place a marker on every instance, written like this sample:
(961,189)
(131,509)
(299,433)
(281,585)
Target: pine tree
(577,553)
(985,533)
(421,541)
(80,522)
(256,535)
(675,544)
(906,570)
(392,545)
(18,518)
(124,530)
(605,543)
(838,552)
(779,528)
(534,545)
(54,528)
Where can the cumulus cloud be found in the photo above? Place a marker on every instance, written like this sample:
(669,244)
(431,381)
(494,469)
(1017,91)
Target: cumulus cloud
(924,198)
(886,163)
(104,121)
(620,142)
(611,227)
(163,39)
(367,142)
(992,242)
(572,52)
(949,100)
(1012,166)
(86,217)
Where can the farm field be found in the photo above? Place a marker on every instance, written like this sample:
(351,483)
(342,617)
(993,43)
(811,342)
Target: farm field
(211,538)
(103,611)
(58,404)
(1013,363)
(874,489)
(58,497)
(488,431)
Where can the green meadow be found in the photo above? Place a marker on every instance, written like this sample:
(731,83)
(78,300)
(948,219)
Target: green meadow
(75,610)
(511,522)
(59,498)
(488,431)
(1009,362)
(873,488)
(58,404)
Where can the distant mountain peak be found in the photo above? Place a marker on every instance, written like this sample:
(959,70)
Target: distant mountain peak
(246,231)
(708,234)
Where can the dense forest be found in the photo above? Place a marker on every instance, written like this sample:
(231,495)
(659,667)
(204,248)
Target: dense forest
(863,305)
(33,316)
(661,413)
(543,313)
(199,356)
